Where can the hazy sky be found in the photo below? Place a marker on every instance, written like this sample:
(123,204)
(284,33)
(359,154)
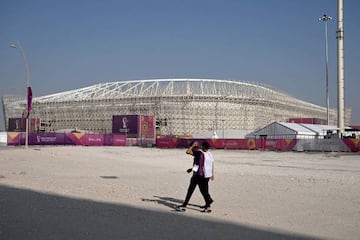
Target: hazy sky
(73,44)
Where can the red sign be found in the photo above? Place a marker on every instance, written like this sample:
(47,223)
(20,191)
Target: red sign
(147,126)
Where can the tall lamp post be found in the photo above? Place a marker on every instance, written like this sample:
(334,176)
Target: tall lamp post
(325,18)
(28,90)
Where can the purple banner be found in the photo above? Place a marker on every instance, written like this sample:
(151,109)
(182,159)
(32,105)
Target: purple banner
(15,138)
(85,139)
(19,124)
(118,140)
(94,139)
(126,124)
(46,139)
(16,125)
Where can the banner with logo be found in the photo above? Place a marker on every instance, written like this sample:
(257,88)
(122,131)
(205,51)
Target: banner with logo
(84,139)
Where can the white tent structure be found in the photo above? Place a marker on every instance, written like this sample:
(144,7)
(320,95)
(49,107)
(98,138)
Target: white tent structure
(309,137)
(286,130)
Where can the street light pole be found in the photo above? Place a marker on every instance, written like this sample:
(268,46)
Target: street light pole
(28,90)
(325,18)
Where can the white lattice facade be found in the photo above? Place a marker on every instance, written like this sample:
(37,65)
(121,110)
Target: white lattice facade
(181,106)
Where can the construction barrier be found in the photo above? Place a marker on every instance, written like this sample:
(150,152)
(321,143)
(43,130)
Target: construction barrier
(326,145)
(87,139)
(353,144)
(84,139)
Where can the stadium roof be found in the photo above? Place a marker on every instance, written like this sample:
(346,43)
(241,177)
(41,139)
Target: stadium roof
(173,87)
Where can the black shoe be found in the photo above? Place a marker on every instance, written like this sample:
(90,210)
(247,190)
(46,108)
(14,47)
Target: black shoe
(180,208)
(210,202)
(206,210)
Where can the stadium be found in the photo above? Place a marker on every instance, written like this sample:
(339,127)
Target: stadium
(181,106)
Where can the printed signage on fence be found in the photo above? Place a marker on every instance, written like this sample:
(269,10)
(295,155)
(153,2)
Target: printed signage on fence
(147,126)
(126,125)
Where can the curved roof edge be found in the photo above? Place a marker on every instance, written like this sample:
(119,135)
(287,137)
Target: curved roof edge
(166,86)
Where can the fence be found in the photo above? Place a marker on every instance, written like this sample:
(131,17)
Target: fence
(85,139)
(343,145)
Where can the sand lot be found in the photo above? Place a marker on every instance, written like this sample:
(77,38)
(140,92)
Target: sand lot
(129,193)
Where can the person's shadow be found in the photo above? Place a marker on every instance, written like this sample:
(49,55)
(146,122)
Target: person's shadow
(170,202)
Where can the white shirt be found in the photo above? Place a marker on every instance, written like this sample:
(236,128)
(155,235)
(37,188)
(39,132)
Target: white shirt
(208,164)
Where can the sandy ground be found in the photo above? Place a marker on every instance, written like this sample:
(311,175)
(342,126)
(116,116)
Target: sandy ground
(130,192)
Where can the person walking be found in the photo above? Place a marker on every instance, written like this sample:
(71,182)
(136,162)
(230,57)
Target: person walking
(200,175)
(208,175)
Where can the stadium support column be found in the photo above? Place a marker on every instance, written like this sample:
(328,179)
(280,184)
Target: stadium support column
(340,67)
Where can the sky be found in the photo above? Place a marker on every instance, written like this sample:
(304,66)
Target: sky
(73,44)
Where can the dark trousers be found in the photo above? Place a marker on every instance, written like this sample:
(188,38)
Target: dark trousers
(203,186)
